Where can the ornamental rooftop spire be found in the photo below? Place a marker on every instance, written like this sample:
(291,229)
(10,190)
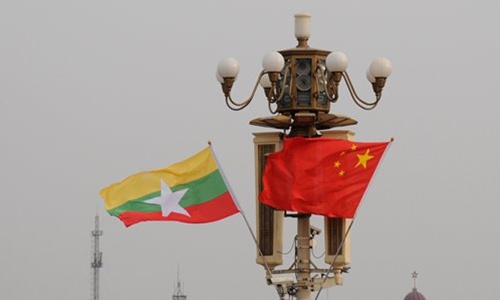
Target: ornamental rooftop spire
(414,294)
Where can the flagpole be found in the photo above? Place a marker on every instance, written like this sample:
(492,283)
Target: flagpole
(268,270)
(352,222)
(335,258)
(350,225)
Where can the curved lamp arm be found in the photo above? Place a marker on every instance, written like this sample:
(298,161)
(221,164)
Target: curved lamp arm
(273,93)
(330,85)
(233,105)
(377,86)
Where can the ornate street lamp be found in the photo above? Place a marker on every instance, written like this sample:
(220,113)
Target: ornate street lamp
(299,85)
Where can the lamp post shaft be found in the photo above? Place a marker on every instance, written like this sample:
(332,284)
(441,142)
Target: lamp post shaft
(303,257)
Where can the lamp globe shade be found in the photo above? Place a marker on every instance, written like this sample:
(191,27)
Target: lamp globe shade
(369,76)
(302,25)
(336,62)
(228,68)
(273,62)
(381,67)
(265,82)
(219,78)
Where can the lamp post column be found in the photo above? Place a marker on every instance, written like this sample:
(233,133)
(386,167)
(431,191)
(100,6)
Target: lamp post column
(303,257)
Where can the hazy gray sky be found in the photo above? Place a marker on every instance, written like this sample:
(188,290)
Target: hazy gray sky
(93,91)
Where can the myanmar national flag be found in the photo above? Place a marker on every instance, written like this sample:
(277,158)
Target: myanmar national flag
(190,191)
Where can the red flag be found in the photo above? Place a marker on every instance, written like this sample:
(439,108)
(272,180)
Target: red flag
(320,176)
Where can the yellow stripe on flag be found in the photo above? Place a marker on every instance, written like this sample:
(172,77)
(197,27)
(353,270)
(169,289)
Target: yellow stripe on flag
(144,183)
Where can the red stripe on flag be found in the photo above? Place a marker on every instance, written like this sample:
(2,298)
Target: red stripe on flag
(213,210)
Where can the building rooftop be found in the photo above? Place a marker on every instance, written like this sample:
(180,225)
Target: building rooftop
(414,294)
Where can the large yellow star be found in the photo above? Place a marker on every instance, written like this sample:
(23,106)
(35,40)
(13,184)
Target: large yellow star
(363,159)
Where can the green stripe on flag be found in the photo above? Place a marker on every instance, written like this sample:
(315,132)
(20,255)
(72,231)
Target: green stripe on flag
(199,191)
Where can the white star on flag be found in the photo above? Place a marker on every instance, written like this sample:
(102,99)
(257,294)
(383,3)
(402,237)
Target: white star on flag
(169,201)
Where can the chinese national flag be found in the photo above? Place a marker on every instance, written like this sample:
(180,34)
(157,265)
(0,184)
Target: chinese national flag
(320,176)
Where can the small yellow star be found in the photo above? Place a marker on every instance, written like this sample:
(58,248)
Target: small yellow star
(336,164)
(354,147)
(363,159)
(342,153)
(341,173)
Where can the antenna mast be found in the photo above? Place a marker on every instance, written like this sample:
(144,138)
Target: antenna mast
(178,293)
(96,262)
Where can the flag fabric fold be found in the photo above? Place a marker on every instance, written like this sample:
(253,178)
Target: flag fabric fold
(320,176)
(190,191)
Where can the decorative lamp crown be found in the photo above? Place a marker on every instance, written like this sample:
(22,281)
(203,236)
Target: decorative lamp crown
(301,83)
